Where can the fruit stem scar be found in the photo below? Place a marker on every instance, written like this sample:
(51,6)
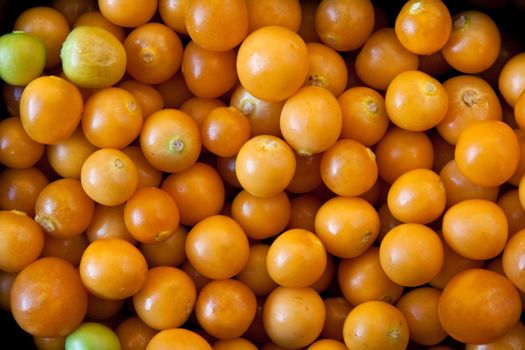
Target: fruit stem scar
(117,162)
(366,237)
(470,97)
(132,106)
(47,224)
(461,22)
(371,106)
(269,144)
(331,40)
(147,56)
(161,236)
(429,88)
(247,106)
(395,333)
(317,80)
(176,144)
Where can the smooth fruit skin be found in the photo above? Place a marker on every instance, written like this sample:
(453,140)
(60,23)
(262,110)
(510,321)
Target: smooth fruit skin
(337,308)
(48,298)
(416,101)
(208,74)
(170,140)
(166,253)
(471,100)
(453,264)
(113,268)
(112,117)
(198,191)
(217,25)
(210,244)
(109,176)
(423,26)
(19,189)
(375,325)
(521,192)
(224,131)
(154,53)
(285,13)
(400,151)
(420,308)
(237,344)
(293,317)
(344,25)
(511,80)
(255,213)
(63,209)
(513,260)
(225,308)
(417,196)
(50,109)
(22,58)
(166,299)
(348,168)
(411,254)
(255,274)
(382,58)
(272,63)
(264,116)
(326,68)
(47,24)
(296,250)
(513,340)
(362,279)
(347,226)
(22,240)
(108,221)
(327,344)
(126,13)
(92,335)
(479,306)
(459,188)
(134,334)
(487,153)
(95,18)
(151,215)
(265,165)
(476,229)
(67,157)
(364,115)
(474,43)
(311,120)
(178,338)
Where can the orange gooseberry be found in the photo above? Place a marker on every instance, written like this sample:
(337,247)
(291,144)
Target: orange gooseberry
(265,165)
(411,254)
(113,268)
(272,63)
(311,120)
(423,27)
(154,53)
